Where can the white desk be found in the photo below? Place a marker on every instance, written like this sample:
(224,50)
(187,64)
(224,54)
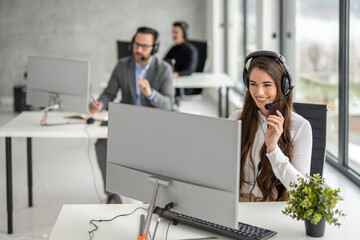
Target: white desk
(208,80)
(73,222)
(27,124)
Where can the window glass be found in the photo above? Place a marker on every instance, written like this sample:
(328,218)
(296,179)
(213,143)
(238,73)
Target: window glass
(317,50)
(354,86)
(250,34)
(251,26)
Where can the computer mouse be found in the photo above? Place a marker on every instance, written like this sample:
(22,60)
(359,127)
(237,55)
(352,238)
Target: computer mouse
(90,120)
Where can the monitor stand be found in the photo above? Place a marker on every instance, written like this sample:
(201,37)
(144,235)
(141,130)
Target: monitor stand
(145,224)
(54,103)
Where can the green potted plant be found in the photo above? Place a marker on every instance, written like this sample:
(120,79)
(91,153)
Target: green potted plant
(311,201)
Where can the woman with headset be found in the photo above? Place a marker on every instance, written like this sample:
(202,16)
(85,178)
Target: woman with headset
(276,142)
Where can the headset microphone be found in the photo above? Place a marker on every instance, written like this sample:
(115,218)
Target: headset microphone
(142,58)
(271,105)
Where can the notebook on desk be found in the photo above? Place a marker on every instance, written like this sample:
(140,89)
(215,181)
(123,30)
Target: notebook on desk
(100,116)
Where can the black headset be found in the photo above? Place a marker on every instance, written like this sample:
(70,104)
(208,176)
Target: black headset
(155,46)
(183,26)
(286,86)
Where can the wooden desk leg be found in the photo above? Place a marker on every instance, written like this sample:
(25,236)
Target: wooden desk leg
(29,166)
(227,103)
(9,195)
(220,103)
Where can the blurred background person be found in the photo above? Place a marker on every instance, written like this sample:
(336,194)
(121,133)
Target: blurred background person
(183,56)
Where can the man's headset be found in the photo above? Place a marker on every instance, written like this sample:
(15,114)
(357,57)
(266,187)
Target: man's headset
(155,46)
(286,86)
(183,26)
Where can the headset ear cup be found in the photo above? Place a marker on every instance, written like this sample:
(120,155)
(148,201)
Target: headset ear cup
(132,44)
(184,32)
(155,48)
(247,82)
(245,79)
(285,85)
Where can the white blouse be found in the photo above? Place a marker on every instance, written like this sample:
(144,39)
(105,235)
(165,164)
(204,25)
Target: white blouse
(286,172)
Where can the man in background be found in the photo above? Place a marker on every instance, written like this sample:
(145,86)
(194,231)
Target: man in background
(183,54)
(143,80)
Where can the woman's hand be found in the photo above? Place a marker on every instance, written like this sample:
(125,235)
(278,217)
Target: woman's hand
(274,130)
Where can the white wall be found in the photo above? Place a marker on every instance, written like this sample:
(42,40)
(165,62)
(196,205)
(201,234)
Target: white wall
(85,30)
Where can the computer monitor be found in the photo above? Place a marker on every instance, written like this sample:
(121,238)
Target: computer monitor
(123,49)
(198,155)
(58,82)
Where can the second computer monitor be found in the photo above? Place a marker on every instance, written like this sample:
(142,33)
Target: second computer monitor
(198,155)
(58,81)
(123,49)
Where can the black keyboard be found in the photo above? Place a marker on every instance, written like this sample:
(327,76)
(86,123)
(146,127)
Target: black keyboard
(245,231)
(104,123)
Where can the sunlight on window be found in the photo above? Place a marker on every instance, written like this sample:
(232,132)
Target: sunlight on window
(317,50)
(354,94)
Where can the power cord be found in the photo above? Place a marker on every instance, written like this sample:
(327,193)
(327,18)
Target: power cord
(166,208)
(91,232)
(168,227)
(257,175)
(91,165)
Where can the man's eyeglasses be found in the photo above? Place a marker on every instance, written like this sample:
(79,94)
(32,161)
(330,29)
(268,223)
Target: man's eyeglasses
(143,46)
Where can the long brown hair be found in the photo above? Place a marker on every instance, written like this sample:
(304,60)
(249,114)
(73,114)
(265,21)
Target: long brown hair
(271,188)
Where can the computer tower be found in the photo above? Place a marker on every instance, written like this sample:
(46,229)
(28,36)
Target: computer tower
(20,99)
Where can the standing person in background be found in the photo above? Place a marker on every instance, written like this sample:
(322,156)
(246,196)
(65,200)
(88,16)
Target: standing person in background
(143,79)
(276,142)
(183,53)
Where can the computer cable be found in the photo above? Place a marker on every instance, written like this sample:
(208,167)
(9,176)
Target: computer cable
(166,208)
(257,175)
(168,227)
(91,165)
(93,221)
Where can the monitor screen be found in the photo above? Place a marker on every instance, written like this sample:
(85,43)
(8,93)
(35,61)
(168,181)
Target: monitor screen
(198,155)
(65,80)
(123,49)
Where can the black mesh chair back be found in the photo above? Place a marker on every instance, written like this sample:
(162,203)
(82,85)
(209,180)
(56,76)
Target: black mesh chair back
(201,46)
(316,115)
(123,49)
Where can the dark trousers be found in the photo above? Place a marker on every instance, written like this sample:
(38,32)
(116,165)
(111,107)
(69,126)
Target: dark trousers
(101,150)
(188,91)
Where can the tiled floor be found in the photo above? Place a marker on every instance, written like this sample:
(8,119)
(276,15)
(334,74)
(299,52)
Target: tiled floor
(65,172)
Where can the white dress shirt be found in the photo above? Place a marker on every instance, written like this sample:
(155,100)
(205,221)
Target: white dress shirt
(286,172)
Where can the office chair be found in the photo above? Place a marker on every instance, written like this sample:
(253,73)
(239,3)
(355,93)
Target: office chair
(316,115)
(123,49)
(201,47)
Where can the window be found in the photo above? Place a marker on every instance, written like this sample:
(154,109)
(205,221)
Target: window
(251,26)
(242,32)
(354,86)
(317,41)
